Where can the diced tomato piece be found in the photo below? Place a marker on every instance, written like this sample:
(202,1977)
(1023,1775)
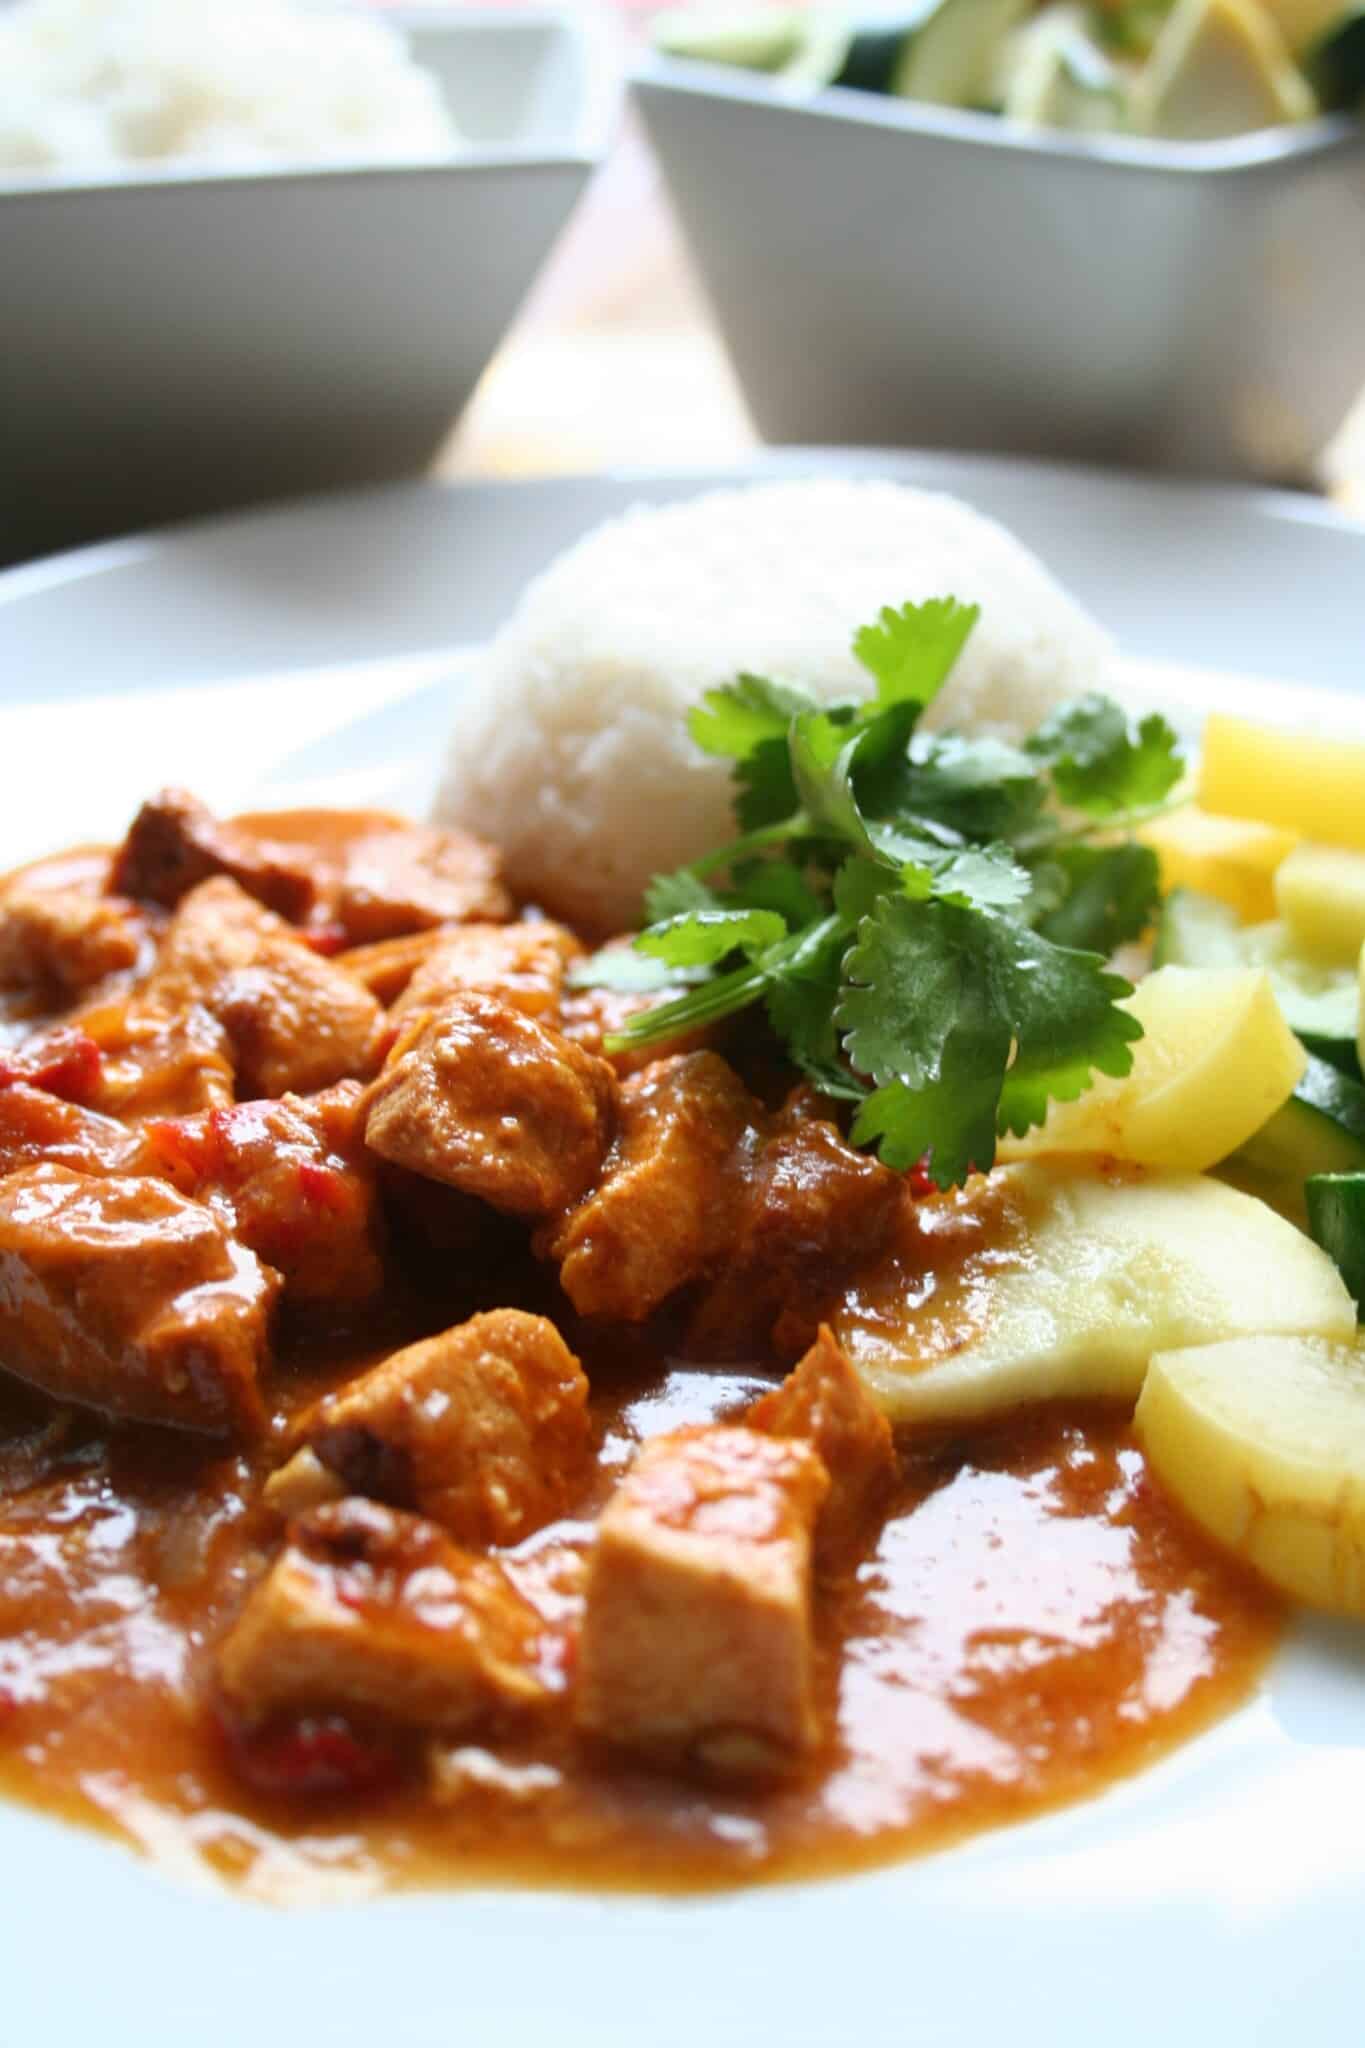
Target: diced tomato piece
(922,1182)
(67,1063)
(323,1186)
(316,1756)
(325,938)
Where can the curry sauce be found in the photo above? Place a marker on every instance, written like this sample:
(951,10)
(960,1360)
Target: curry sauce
(321,1057)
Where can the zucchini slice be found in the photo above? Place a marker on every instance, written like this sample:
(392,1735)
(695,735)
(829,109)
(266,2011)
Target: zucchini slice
(1319,1131)
(1336,1217)
(1335,63)
(1321,1001)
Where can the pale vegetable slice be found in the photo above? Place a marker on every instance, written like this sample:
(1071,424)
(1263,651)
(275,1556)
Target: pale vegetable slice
(1215,1061)
(1302,22)
(1234,859)
(1320,891)
(1077,1279)
(1303,781)
(1218,68)
(1262,1441)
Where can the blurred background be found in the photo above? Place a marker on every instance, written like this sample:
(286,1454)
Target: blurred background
(141,318)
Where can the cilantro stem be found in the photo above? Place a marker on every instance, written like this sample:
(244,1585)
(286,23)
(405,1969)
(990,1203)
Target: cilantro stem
(723,996)
(1043,841)
(752,842)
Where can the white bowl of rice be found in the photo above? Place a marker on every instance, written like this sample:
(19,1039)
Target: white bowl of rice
(253,248)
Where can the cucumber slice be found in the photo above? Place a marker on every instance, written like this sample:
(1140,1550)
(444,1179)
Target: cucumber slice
(1218,67)
(1336,1217)
(950,57)
(1335,63)
(1197,931)
(872,55)
(757,39)
(1321,1001)
(1055,76)
(1320,1130)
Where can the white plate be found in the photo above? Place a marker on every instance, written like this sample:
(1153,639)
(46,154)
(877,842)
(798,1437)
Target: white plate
(1215,1899)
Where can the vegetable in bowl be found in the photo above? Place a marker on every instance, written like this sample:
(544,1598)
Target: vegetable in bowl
(1170,70)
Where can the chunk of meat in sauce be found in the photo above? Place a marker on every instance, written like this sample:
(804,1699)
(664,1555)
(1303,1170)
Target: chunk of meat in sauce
(374,1612)
(174,843)
(153,1063)
(65,941)
(483,1428)
(522,964)
(121,1295)
(295,1021)
(662,1209)
(592,1015)
(386,967)
(289,1177)
(412,877)
(36,1126)
(697,1636)
(825,1403)
(493,1103)
(812,1209)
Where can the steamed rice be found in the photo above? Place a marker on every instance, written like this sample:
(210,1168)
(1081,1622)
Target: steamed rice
(91,84)
(570,747)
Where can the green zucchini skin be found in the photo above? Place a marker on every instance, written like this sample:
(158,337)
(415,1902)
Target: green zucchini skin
(1335,65)
(1319,1132)
(1336,1217)
(873,57)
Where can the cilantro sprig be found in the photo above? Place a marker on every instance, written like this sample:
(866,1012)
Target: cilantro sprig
(925,917)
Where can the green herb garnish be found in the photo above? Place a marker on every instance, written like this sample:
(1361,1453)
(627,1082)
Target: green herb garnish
(925,917)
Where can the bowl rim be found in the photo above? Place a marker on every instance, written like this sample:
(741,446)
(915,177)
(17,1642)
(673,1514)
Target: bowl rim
(593,125)
(1289,147)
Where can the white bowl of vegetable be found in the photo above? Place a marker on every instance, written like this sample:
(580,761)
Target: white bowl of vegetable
(1118,232)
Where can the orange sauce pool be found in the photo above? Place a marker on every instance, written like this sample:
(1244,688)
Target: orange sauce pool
(1034,1622)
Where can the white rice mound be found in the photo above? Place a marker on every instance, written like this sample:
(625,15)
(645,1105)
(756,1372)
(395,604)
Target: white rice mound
(98,84)
(570,747)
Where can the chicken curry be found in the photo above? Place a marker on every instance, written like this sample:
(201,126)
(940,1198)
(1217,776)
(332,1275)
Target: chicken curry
(424,1454)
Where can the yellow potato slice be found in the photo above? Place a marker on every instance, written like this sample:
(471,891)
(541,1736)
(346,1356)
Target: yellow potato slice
(1262,1441)
(1216,1060)
(1074,1281)
(1320,893)
(1234,859)
(1300,780)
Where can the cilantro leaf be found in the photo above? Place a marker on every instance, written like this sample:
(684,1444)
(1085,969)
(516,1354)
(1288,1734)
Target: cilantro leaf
(980,788)
(801,1011)
(936,995)
(779,885)
(765,791)
(701,938)
(1102,766)
(670,895)
(627,972)
(909,652)
(1097,897)
(739,716)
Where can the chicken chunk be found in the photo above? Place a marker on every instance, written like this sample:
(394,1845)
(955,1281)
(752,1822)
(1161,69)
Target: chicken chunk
(697,1637)
(153,1063)
(484,1429)
(522,964)
(386,967)
(412,876)
(489,1101)
(36,1126)
(65,940)
(824,1402)
(812,1209)
(379,1613)
(664,1204)
(295,1022)
(174,843)
(119,1294)
(289,1177)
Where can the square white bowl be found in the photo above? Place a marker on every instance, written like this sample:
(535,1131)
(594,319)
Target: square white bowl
(183,340)
(892,272)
